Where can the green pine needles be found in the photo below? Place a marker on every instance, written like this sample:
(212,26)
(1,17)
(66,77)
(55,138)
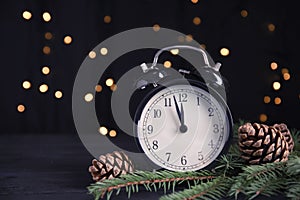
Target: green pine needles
(230,179)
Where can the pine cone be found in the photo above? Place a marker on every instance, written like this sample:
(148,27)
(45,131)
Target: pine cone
(287,135)
(260,144)
(110,166)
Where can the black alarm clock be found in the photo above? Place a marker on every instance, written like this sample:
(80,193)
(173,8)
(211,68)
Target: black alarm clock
(182,120)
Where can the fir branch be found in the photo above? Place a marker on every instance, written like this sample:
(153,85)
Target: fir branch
(214,189)
(150,180)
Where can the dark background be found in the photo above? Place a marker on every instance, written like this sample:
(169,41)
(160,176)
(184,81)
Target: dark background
(37,145)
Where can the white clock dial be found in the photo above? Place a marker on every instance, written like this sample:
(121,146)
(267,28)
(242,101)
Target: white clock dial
(183,128)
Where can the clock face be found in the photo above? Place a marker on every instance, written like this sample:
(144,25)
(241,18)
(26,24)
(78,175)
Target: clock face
(183,128)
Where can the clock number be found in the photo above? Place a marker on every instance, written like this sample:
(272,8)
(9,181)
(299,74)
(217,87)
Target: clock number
(183,160)
(216,128)
(168,102)
(200,155)
(156,113)
(155,145)
(168,154)
(198,101)
(150,129)
(182,97)
(211,112)
(211,144)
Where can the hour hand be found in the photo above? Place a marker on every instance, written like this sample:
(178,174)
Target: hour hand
(183,127)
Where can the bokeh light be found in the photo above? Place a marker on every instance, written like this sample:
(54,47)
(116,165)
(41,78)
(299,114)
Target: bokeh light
(103,51)
(107,19)
(92,54)
(276,85)
(274,65)
(88,97)
(26,85)
(20,108)
(67,39)
(46,16)
(109,82)
(263,117)
(167,64)
(58,94)
(45,70)
(43,88)
(27,15)
(224,51)
(103,130)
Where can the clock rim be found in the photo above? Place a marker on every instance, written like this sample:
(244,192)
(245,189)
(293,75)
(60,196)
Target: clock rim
(185,81)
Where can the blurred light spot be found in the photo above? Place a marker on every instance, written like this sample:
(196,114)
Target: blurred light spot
(103,51)
(26,85)
(277,100)
(188,38)
(284,70)
(224,52)
(112,133)
(92,54)
(274,65)
(194,1)
(286,76)
(43,88)
(107,19)
(98,88)
(68,39)
(276,85)
(244,13)
(263,117)
(203,46)
(46,16)
(103,130)
(156,27)
(48,36)
(167,64)
(267,99)
(180,38)
(21,108)
(46,50)
(197,20)
(109,82)
(46,70)
(271,27)
(174,51)
(113,87)
(88,97)
(58,94)
(27,15)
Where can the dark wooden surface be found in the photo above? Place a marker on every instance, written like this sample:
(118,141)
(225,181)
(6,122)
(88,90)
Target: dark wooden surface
(48,167)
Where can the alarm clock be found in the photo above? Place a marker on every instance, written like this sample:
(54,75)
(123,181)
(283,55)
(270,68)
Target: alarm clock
(182,121)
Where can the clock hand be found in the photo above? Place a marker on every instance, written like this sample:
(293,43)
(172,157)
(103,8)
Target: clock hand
(177,108)
(183,127)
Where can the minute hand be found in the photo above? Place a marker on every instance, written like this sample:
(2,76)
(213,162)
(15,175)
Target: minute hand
(177,108)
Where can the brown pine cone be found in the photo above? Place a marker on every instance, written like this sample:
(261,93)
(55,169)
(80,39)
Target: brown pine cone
(287,135)
(260,143)
(110,166)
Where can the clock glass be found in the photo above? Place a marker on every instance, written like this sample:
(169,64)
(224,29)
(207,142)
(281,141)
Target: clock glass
(183,127)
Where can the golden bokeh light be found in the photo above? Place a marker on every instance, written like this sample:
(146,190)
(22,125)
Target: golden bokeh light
(21,108)
(107,19)
(67,39)
(103,51)
(45,70)
(203,46)
(109,82)
(276,85)
(197,20)
(286,76)
(27,15)
(271,27)
(98,88)
(48,36)
(174,51)
(263,117)
(277,100)
(224,51)
(112,133)
(46,16)
(194,1)
(189,38)
(156,27)
(267,99)
(167,64)
(43,88)
(244,13)
(103,130)
(88,97)
(58,94)
(284,70)
(274,65)
(46,50)
(92,54)
(26,85)
(113,87)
